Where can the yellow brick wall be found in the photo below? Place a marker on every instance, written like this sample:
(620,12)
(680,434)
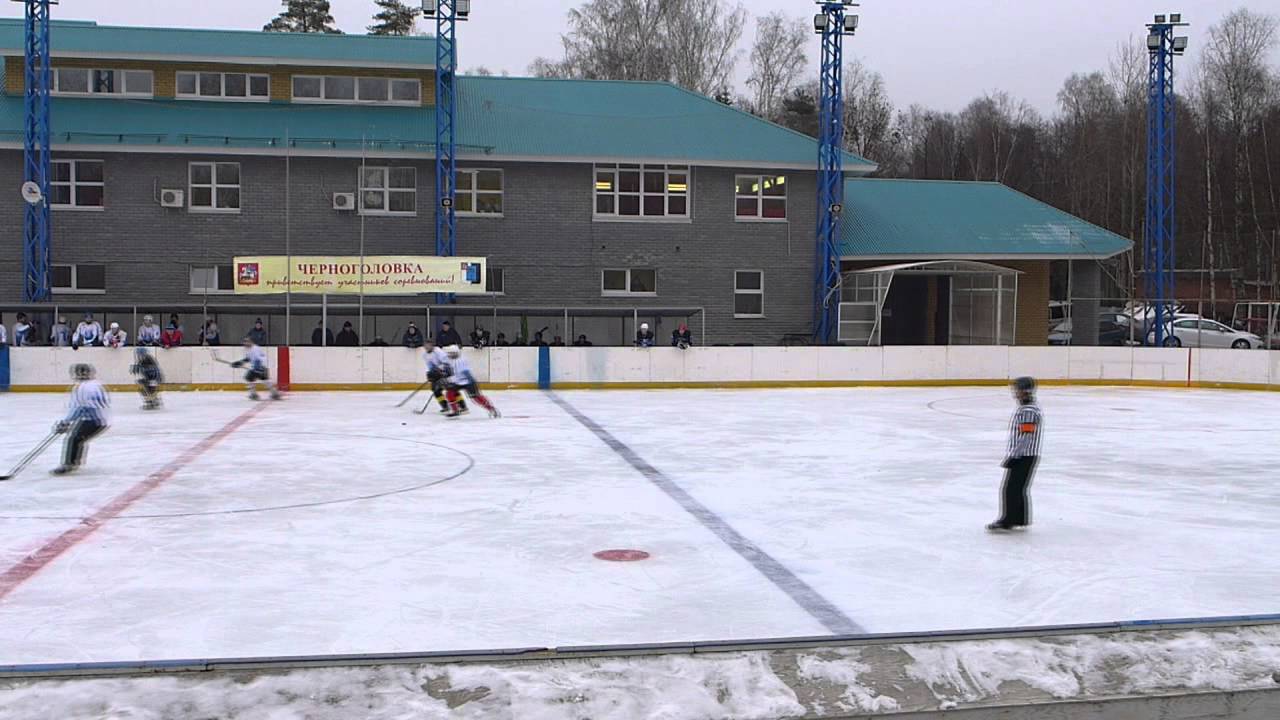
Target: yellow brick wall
(166,74)
(1033,301)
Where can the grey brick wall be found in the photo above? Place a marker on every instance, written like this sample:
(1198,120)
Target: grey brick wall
(550,248)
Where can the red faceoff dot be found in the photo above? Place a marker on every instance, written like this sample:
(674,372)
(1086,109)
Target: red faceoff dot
(622,555)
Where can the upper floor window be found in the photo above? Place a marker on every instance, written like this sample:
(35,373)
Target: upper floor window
(212,279)
(347,89)
(76,184)
(495,281)
(92,81)
(479,192)
(631,281)
(91,279)
(215,186)
(761,197)
(224,86)
(642,191)
(389,190)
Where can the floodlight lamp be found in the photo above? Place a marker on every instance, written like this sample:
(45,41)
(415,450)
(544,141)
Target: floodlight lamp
(1175,17)
(428,8)
(850,23)
(1160,19)
(1180,44)
(462,8)
(819,22)
(1153,41)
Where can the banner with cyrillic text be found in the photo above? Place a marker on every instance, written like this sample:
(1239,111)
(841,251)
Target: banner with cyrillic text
(374,275)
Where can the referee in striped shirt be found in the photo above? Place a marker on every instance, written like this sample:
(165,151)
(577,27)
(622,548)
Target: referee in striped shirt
(88,417)
(1020,461)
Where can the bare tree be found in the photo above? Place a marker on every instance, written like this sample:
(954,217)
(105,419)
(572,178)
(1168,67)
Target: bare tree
(777,62)
(703,38)
(991,128)
(868,112)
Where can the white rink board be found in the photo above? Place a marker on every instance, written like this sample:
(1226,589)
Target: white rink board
(875,497)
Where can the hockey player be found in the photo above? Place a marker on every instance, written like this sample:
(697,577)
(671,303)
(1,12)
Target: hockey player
(644,336)
(88,417)
(256,360)
(148,332)
(1021,458)
(149,377)
(438,371)
(88,332)
(22,331)
(60,333)
(115,337)
(462,380)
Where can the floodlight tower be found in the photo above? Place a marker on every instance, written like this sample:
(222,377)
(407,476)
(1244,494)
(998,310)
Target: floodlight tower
(447,13)
(1158,258)
(36,163)
(833,24)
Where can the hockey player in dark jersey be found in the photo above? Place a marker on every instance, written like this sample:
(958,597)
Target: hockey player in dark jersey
(88,416)
(147,370)
(1020,459)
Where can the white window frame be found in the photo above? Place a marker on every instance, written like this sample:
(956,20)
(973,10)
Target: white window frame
(502,272)
(475,192)
(191,281)
(75,183)
(740,291)
(386,190)
(642,168)
(323,99)
(121,73)
(74,290)
(628,292)
(214,186)
(759,198)
(222,80)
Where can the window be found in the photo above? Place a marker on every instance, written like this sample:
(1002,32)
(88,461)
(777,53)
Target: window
(761,197)
(642,191)
(215,187)
(76,184)
(224,86)
(748,293)
(629,282)
(87,81)
(495,281)
(84,279)
(212,279)
(348,89)
(389,190)
(479,192)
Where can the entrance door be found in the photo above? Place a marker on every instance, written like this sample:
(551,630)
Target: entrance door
(905,317)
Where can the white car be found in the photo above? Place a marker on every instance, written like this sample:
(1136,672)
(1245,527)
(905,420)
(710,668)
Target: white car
(1202,333)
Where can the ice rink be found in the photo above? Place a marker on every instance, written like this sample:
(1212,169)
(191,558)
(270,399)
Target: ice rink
(337,523)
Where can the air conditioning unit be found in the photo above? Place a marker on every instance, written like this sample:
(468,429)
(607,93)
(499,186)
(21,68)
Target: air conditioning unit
(344,201)
(172,198)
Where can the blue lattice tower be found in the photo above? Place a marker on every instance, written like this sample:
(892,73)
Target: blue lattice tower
(447,14)
(36,228)
(1158,238)
(832,24)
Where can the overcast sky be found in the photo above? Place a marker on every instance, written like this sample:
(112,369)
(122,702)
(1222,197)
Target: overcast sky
(939,53)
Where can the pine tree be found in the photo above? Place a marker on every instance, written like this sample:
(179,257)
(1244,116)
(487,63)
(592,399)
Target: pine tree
(306,16)
(393,18)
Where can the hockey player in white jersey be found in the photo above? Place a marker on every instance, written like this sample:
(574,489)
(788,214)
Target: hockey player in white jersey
(438,371)
(115,337)
(88,416)
(256,360)
(148,332)
(463,381)
(88,332)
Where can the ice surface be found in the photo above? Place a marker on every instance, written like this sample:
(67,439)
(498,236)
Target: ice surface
(479,534)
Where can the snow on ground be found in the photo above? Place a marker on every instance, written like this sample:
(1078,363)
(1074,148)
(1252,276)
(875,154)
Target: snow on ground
(336,523)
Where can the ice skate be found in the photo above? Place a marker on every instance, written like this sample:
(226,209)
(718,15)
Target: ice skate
(63,470)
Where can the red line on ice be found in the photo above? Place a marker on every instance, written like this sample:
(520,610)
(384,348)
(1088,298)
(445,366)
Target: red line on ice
(38,559)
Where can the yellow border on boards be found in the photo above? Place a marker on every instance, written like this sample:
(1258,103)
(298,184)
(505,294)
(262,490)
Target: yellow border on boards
(727,385)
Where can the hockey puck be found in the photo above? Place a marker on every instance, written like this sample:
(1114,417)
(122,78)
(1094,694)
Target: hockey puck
(622,555)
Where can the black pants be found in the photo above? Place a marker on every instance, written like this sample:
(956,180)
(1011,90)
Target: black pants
(77,444)
(1015,501)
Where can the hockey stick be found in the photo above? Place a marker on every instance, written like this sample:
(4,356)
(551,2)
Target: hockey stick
(413,394)
(30,457)
(214,353)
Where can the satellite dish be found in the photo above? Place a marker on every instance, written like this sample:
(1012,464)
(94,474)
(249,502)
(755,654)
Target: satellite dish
(31,193)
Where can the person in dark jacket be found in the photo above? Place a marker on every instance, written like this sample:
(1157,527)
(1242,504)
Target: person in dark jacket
(479,337)
(412,336)
(378,342)
(321,335)
(502,341)
(682,337)
(557,341)
(258,334)
(582,341)
(644,337)
(347,337)
(448,336)
(537,340)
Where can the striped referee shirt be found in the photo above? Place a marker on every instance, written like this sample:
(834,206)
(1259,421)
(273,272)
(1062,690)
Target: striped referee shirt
(90,402)
(1024,432)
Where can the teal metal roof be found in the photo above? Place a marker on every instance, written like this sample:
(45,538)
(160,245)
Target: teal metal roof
(505,118)
(88,39)
(946,219)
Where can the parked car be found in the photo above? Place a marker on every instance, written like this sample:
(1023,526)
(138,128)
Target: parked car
(1110,332)
(1199,332)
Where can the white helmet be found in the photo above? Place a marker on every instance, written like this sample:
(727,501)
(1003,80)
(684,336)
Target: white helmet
(644,326)
(146,318)
(115,326)
(453,351)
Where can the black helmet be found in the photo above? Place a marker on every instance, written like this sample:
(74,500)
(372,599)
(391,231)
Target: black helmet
(1025,385)
(82,371)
